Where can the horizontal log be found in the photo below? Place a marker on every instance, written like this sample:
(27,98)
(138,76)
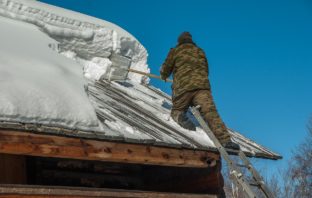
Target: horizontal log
(26,143)
(20,191)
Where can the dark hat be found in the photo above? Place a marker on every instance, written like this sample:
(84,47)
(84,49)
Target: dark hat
(185,37)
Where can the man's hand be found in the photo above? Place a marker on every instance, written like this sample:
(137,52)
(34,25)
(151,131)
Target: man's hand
(164,78)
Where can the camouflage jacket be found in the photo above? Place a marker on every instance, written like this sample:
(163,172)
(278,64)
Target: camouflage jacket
(189,66)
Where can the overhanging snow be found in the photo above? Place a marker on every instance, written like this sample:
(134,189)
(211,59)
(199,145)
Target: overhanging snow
(37,84)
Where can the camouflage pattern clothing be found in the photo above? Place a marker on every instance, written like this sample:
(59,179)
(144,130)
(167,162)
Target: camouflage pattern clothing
(208,110)
(189,66)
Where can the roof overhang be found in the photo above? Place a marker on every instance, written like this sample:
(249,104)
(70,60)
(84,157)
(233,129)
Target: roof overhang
(34,144)
(200,156)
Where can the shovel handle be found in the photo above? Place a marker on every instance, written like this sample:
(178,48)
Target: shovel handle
(149,75)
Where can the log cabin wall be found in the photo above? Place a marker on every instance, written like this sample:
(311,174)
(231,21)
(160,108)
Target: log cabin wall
(17,169)
(34,159)
(95,174)
(22,191)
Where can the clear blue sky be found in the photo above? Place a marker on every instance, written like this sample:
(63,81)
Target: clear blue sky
(259,52)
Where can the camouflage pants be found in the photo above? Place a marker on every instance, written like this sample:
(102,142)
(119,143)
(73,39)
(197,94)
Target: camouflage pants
(208,110)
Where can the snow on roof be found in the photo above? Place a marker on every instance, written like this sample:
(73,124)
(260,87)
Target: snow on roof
(51,61)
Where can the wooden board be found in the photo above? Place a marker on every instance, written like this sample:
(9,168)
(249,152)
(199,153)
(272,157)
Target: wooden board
(25,143)
(16,191)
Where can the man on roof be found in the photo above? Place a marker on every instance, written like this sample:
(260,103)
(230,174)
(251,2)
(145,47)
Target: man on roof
(189,66)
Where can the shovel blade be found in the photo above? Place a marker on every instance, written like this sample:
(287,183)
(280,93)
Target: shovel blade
(119,69)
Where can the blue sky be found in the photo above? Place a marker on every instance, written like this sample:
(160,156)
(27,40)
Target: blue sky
(259,52)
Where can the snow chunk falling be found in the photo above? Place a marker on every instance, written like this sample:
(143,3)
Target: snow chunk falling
(97,67)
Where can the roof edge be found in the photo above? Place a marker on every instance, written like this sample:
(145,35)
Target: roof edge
(99,136)
(44,145)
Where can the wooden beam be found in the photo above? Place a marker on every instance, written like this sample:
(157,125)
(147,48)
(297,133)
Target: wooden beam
(19,191)
(26,143)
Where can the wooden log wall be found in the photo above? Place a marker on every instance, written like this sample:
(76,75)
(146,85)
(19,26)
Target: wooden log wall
(25,143)
(66,192)
(27,158)
(67,172)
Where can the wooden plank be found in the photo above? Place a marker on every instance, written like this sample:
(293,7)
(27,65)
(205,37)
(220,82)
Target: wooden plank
(12,169)
(20,191)
(25,143)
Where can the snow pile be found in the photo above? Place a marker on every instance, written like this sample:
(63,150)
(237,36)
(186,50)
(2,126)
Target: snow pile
(97,67)
(88,41)
(39,86)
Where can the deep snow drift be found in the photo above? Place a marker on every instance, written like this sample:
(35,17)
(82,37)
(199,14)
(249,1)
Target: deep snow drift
(79,37)
(37,84)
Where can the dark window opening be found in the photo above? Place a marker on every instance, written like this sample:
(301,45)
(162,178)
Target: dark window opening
(97,174)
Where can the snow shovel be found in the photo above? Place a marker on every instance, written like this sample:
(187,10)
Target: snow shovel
(121,67)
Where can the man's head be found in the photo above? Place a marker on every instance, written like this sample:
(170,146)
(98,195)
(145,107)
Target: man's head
(185,37)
